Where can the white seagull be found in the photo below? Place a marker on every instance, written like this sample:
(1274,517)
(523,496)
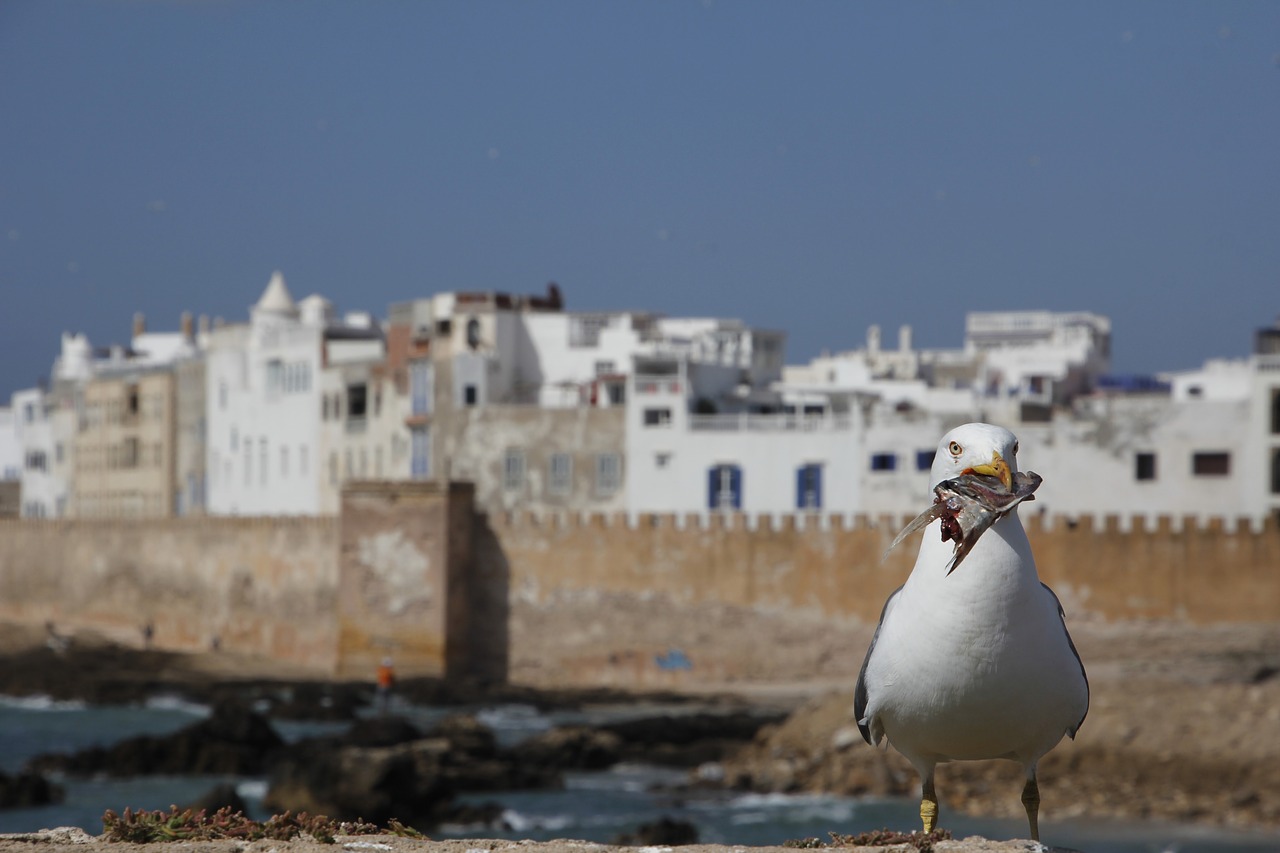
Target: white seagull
(977,663)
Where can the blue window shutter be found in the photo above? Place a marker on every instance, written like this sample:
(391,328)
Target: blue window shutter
(735,484)
(713,483)
(800,486)
(817,486)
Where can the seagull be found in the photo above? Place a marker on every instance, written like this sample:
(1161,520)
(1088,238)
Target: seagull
(978,663)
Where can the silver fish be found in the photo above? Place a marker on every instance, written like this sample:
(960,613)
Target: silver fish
(968,505)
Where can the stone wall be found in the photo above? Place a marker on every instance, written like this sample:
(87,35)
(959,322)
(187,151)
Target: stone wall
(405,561)
(573,599)
(260,586)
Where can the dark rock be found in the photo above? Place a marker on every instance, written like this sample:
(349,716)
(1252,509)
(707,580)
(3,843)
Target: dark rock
(467,735)
(479,815)
(413,782)
(28,789)
(571,748)
(664,832)
(223,795)
(379,731)
(687,740)
(318,701)
(233,741)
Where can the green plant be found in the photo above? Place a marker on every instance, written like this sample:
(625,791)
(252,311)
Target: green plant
(922,841)
(143,826)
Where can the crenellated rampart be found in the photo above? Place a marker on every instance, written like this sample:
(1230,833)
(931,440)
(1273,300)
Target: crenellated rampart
(586,598)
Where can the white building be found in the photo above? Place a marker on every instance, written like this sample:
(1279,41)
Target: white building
(289,407)
(44,426)
(10,446)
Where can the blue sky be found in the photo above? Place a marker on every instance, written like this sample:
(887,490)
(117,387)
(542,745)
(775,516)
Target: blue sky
(814,167)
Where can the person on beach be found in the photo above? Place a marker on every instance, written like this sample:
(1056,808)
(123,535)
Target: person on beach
(386,678)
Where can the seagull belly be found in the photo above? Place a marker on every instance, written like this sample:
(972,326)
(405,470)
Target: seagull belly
(977,665)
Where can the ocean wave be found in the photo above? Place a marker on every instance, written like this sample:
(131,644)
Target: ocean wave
(252,789)
(176,703)
(42,703)
(534,823)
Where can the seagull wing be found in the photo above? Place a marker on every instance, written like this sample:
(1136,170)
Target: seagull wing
(860,692)
(1063,616)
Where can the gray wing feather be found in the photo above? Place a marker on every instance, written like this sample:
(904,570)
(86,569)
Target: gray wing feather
(1062,615)
(860,692)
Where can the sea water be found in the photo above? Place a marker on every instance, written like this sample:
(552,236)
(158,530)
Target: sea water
(591,806)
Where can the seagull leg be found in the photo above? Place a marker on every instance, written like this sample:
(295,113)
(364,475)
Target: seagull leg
(928,802)
(1031,802)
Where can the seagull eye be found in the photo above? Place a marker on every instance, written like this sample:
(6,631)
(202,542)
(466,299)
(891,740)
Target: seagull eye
(1015,448)
(955,448)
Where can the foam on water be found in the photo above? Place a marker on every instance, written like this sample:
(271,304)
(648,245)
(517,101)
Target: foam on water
(42,703)
(177,703)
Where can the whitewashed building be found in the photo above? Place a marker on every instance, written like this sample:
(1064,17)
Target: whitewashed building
(292,409)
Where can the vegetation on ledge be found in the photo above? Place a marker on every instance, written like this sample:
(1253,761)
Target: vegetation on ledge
(143,826)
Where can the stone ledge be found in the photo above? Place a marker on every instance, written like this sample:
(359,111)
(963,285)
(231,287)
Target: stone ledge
(73,839)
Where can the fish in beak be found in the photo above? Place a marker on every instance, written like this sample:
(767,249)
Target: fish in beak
(969,504)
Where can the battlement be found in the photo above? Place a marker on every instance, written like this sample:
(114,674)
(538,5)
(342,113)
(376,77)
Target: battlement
(795,522)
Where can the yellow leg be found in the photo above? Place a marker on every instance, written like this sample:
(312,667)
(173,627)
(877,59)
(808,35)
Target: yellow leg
(1031,802)
(928,804)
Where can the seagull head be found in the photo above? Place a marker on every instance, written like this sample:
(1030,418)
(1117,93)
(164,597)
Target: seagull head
(976,449)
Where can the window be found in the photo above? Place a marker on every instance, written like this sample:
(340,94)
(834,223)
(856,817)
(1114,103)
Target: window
(617,393)
(333,468)
(130,454)
(262,460)
(469,395)
(657,417)
(420,462)
(884,462)
(809,486)
(584,329)
(324,407)
(724,487)
(513,470)
(1275,411)
(1275,471)
(133,399)
(1144,466)
(608,474)
(284,462)
(1216,464)
(421,386)
(924,459)
(560,474)
(473,333)
(248,460)
(357,401)
(377,462)
(605,367)
(275,376)
(302,460)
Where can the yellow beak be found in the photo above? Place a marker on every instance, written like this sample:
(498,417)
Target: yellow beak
(998,469)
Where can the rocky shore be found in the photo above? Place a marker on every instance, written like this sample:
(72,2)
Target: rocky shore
(1184,725)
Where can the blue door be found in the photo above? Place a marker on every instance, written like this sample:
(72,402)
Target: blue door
(724,487)
(809,487)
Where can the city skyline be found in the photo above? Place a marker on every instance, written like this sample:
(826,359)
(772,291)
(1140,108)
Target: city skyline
(813,171)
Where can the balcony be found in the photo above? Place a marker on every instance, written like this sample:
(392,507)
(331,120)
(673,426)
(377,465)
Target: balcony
(745,422)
